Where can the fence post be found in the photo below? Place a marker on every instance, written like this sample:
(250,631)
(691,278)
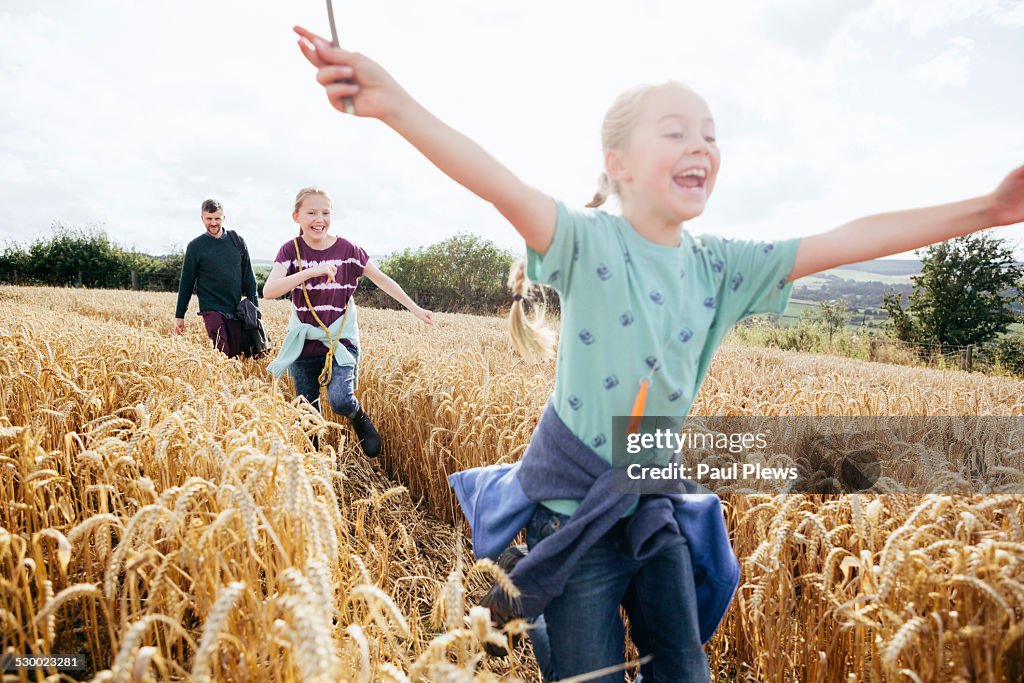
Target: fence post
(970,357)
(135,280)
(79,278)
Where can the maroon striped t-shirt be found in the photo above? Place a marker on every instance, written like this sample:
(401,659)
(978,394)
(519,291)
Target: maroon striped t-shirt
(329,299)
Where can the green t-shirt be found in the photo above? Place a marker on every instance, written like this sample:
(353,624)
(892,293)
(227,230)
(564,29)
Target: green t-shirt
(628,304)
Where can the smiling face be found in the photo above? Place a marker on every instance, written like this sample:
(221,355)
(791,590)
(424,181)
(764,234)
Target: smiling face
(214,222)
(314,217)
(668,165)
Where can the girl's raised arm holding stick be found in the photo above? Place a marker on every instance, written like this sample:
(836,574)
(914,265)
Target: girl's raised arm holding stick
(644,306)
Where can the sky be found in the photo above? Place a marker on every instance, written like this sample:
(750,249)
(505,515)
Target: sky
(127,115)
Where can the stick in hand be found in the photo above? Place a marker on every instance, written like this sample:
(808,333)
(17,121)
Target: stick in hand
(350,105)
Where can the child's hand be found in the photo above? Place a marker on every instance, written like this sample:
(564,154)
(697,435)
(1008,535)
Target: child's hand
(326,269)
(424,315)
(1007,202)
(375,92)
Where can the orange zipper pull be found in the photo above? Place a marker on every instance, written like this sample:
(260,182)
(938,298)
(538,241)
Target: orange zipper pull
(637,413)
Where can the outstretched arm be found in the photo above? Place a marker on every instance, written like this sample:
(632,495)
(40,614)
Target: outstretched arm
(378,95)
(395,291)
(884,234)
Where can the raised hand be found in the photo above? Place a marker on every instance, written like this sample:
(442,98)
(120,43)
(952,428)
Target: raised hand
(375,92)
(1007,201)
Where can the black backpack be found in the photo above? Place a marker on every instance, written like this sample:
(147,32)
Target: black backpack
(255,340)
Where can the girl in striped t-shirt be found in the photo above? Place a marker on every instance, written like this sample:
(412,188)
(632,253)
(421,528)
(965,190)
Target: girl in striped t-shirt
(322,343)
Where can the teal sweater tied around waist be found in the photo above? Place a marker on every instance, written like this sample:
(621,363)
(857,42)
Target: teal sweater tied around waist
(298,333)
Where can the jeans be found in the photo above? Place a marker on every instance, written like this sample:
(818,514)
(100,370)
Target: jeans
(340,390)
(584,629)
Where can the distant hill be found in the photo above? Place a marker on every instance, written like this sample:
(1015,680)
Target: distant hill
(861,285)
(880,273)
(905,267)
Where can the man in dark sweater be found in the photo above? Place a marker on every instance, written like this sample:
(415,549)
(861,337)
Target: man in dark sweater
(220,273)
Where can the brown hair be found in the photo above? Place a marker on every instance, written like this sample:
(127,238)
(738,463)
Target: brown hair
(212,206)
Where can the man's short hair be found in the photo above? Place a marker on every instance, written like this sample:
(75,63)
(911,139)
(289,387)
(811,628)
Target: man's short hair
(212,206)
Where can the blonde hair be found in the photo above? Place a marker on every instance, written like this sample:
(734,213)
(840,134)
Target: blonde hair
(616,128)
(306,192)
(533,340)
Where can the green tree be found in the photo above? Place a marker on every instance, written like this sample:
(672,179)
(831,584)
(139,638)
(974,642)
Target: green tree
(164,272)
(14,266)
(965,293)
(900,324)
(1008,354)
(463,273)
(833,316)
(75,255)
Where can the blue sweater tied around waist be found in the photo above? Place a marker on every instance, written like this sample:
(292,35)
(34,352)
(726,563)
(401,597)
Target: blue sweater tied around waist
(499,500)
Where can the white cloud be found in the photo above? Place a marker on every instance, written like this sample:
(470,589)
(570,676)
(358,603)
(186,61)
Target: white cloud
(952,67)
(1006,12)
(809,26)
(925,16)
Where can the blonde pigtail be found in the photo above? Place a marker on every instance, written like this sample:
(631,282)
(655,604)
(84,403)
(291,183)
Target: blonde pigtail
(604,188)
(533,340)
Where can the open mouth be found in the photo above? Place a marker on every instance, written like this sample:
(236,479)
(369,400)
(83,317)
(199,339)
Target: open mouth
(692,179)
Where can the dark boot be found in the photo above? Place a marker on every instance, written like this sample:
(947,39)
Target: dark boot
(369,439)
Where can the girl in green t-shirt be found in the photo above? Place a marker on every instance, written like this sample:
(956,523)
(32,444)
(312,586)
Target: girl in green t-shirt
(644,305)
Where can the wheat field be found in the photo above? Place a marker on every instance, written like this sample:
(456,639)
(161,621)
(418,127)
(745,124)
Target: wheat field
(165,512)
